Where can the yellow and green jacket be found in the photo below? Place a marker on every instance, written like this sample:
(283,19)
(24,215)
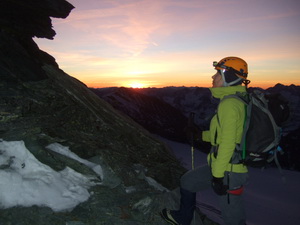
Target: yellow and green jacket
(225,131)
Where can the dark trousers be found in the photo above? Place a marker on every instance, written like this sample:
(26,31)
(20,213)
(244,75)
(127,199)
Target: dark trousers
(187,206)
(232,207)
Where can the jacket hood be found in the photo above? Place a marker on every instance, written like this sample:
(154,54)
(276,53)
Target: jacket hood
(221,92)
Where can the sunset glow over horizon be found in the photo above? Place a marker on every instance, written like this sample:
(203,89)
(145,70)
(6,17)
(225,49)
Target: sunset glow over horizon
(158,43)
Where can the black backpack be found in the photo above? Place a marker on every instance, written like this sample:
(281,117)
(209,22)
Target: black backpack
(265,116)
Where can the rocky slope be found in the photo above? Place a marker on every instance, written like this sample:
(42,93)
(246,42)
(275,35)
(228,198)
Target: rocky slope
(155,115)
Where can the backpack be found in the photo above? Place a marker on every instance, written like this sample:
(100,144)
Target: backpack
(265,116)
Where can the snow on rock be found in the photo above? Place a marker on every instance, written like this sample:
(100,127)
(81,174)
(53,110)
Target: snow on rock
(64,150)
(25,181)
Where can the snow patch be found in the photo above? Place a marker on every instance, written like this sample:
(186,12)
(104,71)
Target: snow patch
(25,181)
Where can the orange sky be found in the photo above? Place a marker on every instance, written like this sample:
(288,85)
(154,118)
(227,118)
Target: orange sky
(157,43)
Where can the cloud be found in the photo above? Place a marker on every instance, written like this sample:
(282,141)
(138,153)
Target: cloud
(124,26)
(133,26)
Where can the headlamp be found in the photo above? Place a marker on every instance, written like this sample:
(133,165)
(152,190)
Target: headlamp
(220,65)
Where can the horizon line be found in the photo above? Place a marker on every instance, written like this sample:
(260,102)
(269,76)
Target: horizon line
(172,86)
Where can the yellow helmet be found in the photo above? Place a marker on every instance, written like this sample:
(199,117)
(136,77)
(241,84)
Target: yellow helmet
(239,66)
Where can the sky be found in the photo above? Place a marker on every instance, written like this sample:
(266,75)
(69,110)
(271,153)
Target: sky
(158,43)
(25,181)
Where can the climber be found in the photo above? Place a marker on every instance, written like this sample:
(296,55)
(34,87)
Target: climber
(226,128)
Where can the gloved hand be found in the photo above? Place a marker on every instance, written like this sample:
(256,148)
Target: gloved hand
(218,186)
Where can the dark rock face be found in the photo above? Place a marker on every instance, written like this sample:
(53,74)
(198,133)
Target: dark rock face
(21,59)
(19,22)
(32,17)
(40,105)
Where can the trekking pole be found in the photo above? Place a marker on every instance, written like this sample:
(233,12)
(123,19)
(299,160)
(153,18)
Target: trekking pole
(190,124)
(193,160)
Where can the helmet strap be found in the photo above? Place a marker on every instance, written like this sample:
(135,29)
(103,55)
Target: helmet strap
(234,82)
(225,84)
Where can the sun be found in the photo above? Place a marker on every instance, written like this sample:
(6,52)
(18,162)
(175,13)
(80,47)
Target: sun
(136,85)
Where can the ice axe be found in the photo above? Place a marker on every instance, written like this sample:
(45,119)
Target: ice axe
(191,125)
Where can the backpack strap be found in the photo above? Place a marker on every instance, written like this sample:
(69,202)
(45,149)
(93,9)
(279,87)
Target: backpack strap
(278,164)
(239,154)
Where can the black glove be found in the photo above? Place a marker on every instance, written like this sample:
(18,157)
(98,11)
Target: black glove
(218,186)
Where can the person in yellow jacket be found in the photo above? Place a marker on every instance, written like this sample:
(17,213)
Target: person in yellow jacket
(224,176)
